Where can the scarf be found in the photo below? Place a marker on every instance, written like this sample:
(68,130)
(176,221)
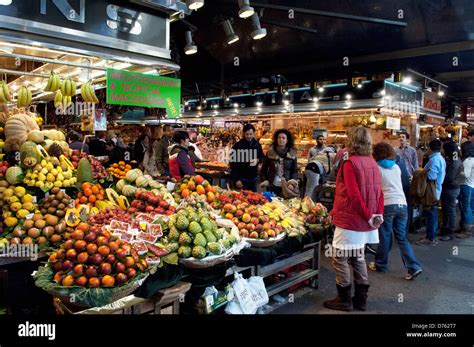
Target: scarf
(386,163)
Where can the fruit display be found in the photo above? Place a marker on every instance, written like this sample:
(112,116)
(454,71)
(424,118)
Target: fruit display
(318,216)
(98,171)
(135,179)
(17,204)
(197,185)
(149,201)
(18,127)
(88,93)
(43,230)
(3,168)
(24,97)
(93,257)
(194,233)
(56,203)
(236,198)
(91,194)
(5,95)
(108,214)
(61,100)
(53,84)
(51,172)
(14,175)
(119,170)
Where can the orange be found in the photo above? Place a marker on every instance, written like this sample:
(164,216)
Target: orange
(95,190)
(128,166)
(83,200)
(79,194)
(100,197)
(115,165)
(108,281)
(87,192)
(121,163)
(85,185)
(92,198)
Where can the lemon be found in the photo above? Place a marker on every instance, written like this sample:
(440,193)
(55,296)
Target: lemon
(27,198)
(60,177)
(19,191)
(67,183)
(73,180)
(31,184)
(49,167)
(43,163)
(28,206)
(13,199)
(54,172)
(50,177)
(44,171)
(8,193)
(7,214)
(22,213)
(16,206)
(49,185)
(58,184)
(60,170)
(28,175)
(2,189)
(67,174)
(34,175)
(10,222)
(42,177)
(40,184)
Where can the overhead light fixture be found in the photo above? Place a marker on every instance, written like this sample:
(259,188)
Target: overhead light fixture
(215,106)
(229,32)
(227,99)
(199,108)
(321,89)
(194,4)
(348,96)
(236,105)
(287,92)
(259,32)
(259,103)
(359,84)
(315,100)
(382,92)
(440,92)
(5,2)
(407,80)
(190,47)
(245,10)
(286,102)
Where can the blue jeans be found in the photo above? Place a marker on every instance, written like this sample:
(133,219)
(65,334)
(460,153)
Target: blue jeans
(465,205)
(431,217)
(395,222)
(448,200)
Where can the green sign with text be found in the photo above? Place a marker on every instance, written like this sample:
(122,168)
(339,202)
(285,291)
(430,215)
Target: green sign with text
(137,89)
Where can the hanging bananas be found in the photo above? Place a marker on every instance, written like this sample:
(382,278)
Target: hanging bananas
(88,93)
(68,87)
(24,97)
(66,101)
(58,99)
(54,83)
(5,94)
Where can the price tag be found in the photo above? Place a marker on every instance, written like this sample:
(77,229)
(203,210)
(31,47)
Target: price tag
(170,186)
(63,190)
(29,216)
(34,199)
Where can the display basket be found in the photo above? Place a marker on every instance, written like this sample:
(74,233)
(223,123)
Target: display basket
(207,262)
(265,243)
(82,296)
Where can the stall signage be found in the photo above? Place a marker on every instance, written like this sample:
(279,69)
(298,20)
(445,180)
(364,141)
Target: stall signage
(393,123)
(97,22)
(142,90)
(431,102)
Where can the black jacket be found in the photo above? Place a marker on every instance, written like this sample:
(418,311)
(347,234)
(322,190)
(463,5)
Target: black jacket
(290,166)
(453,171)
(115,155)
(97,147)
(239,162)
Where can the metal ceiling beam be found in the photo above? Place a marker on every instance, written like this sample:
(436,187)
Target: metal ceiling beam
(289,26)
(51,61)
(332,14)
(426,77)
(168,6)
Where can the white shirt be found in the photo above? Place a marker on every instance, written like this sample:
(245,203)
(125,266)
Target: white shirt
(392,186)
(349,239)
(468,164)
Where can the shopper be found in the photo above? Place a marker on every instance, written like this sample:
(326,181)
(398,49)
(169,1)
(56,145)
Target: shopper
(97,145)
(192,151)
(408,153)
(357,214)
(317,171)
(244,158)
(319,147)
(149,161)
(162,150)
(436,171)
(180,163)
(395,214)
(114,153)
(76,144)
(465,196)
(140,148)
(451,188)
(279,163)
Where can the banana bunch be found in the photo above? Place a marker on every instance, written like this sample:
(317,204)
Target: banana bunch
(88,93)
(61,101)
(53,83)
(68,87)
(4,93)
(293,226)
(24,97)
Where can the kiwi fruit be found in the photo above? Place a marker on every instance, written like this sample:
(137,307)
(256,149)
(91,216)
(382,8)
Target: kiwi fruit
(60,213)
(60,196)
(43,211)
(52,210)
(55,203)
(65,201)
(61,206)
(47,205)
(55,190)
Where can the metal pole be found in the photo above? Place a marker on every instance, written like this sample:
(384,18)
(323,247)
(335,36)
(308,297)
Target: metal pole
(332,14)
(289,26)
(426,77)
(23,73)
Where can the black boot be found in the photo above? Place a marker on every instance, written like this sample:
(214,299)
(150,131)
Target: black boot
(343,301)
(359,299)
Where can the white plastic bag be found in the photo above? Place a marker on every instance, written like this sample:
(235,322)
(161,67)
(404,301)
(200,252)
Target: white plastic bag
(259,292)
(243,294)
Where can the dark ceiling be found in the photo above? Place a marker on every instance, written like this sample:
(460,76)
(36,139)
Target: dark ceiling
(436,32)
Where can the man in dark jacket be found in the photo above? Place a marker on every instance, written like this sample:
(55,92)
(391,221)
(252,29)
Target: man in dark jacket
(161,151)
(244,159)
(97,145)
(115,154)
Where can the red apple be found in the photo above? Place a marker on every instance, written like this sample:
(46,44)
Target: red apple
(120,267)
(78,269)
(96,259)
(105,268)
(121,277)
(91,271)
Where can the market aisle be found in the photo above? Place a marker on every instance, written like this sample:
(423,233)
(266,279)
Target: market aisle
(445,287)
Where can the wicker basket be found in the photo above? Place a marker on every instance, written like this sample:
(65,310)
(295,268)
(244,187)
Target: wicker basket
(206,262)
(265,243)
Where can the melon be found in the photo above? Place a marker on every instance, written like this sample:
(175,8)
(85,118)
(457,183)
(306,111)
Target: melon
(84,171)
(141,181)
(35,136)
(120,184)
(129,190)
(132,175)
(14,175)
(29,155)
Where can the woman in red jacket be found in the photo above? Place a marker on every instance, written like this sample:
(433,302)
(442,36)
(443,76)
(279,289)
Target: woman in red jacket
(357,215)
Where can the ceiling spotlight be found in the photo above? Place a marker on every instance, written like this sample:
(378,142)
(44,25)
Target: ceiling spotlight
(199,108)
(440,92)
(194,4)
(348,96)
(359,84)
(407,80)
(382,92)
(286,92)
(190,47)
(286,102)
(236,105)
(229,32)
(245,10)
(259,32)
(315,100)
(259,103)
(215,106)
(227,99)
(321,89)
(186,103)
